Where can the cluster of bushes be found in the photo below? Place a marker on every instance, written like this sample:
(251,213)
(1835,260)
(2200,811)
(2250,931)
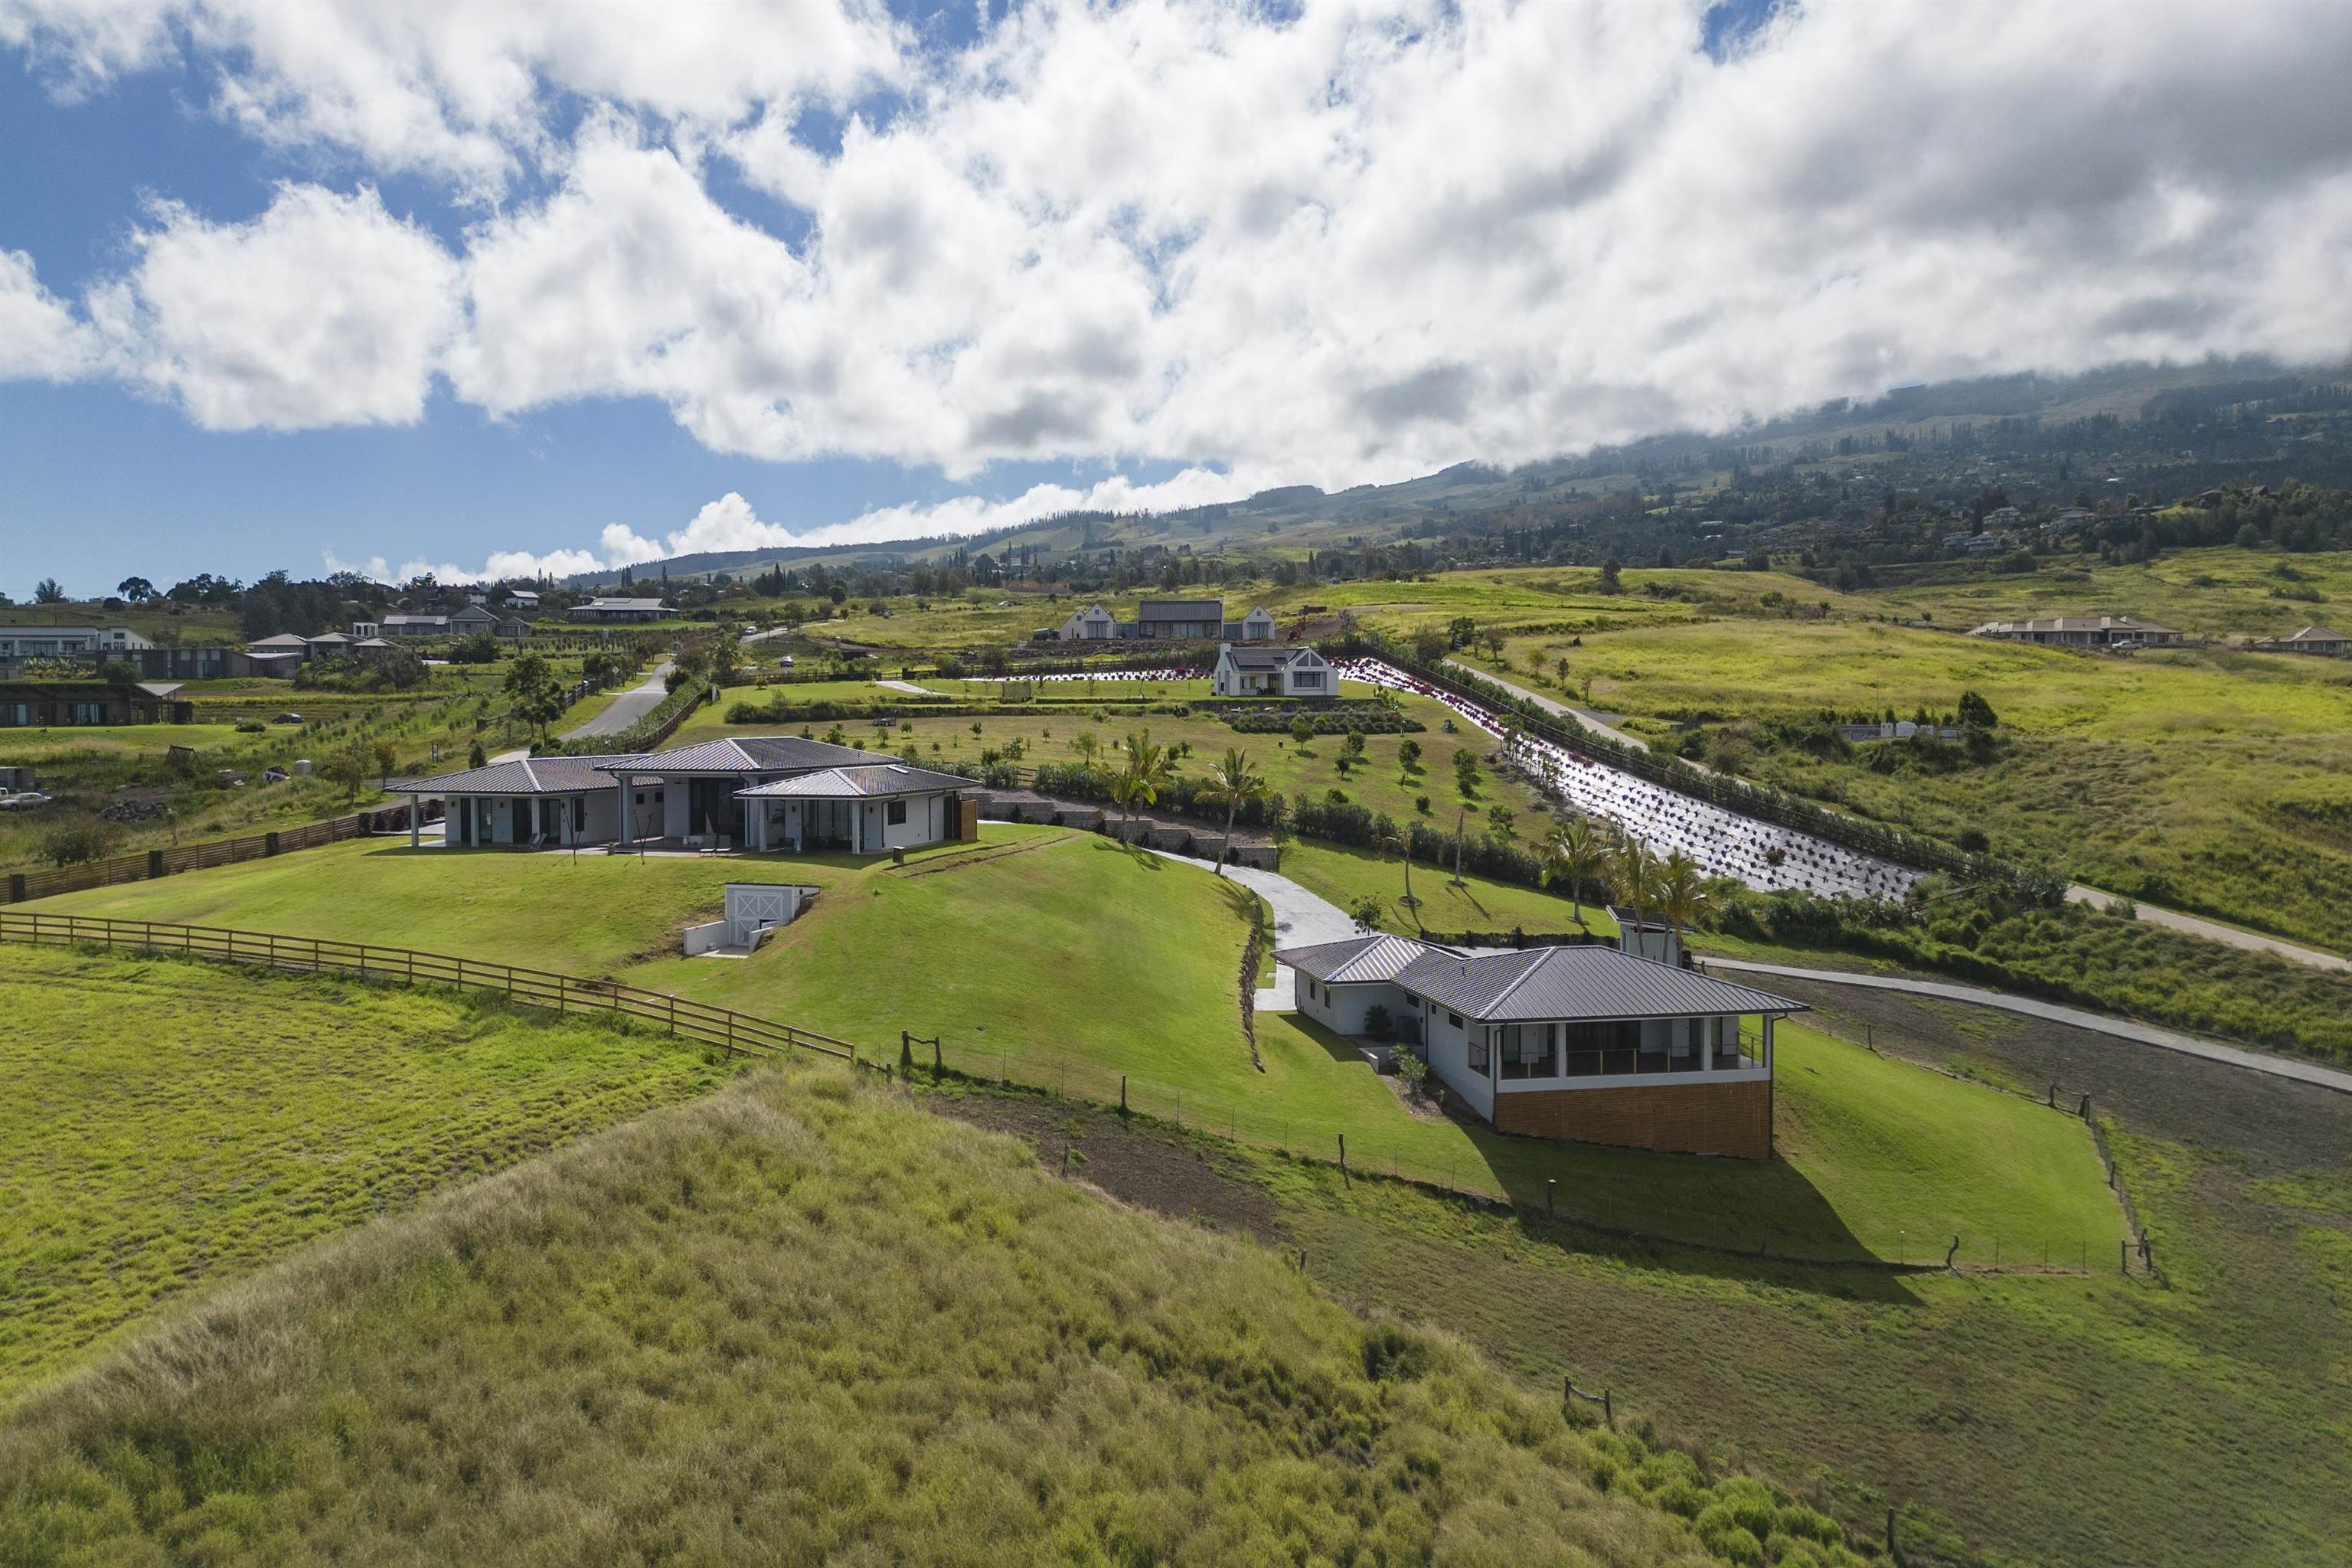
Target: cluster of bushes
(1364,718)
(1737,1518)
(2025,938)
(398,672)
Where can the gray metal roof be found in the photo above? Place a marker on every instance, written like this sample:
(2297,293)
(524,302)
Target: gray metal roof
(1363,960)
(864,783)
(748,754)
(1262,657)
(525,775)
(1578,983)
(1180,610)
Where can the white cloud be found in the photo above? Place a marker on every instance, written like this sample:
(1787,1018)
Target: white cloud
(41,339)
(1361,243)
(325,310)
(731,524)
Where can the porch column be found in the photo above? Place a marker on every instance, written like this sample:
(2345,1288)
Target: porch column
(1767,1042)
(1707,1037)
(415,812)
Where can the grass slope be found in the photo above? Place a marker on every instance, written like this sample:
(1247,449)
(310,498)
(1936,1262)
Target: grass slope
(1074,962)
(797,1323)
(172,1122)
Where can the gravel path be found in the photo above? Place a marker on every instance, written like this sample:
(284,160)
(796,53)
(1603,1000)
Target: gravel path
(2121,1028)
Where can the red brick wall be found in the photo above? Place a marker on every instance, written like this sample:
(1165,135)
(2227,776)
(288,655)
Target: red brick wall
(1682,1118)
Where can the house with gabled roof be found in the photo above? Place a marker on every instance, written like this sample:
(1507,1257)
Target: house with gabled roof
(748,792)
(1589,1043)
(2311,639)
(1295,671)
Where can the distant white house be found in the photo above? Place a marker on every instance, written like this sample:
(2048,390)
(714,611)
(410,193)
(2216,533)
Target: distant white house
(611,610)
(1272,672)
(1093,624)
(1586,1043)
(69,642)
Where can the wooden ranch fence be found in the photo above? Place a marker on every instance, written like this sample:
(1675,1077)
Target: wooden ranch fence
(740,1034)
(21,886)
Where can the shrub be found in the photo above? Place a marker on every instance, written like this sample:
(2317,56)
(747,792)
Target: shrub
(75,843)
(251,726)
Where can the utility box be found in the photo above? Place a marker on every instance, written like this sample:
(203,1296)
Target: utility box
(967,818)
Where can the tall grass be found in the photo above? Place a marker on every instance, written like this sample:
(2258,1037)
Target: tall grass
(791,1324)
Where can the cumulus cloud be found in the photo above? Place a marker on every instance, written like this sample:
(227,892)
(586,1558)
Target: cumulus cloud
(1355,243)
(325,310)
(40,339)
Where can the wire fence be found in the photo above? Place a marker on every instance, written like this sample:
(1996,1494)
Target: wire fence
(738,1034)
(1471,1175)
(2075,1104)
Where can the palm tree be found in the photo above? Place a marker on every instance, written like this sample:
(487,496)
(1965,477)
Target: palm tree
(1232,784)
(1573,853)
(1684,893)
(1635,871)
(1139,777)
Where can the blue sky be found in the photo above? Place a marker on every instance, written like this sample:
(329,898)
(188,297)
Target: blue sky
(511,288)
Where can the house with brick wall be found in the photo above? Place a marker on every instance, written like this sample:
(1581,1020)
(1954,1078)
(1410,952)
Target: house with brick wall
(1587,1043)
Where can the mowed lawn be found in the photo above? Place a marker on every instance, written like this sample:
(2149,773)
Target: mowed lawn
(1342,875)
(1059,958)
(172,1122)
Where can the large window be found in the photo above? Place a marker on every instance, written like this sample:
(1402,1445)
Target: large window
(86,714)
(895,813)
(1307,679)
(15,713)
(1530,1050)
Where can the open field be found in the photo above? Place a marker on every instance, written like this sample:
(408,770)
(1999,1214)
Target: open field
(2210,593)
(172,1123)
(2013,1420)
(88,769)
(2208,780)
(1078,952)
(801,1322)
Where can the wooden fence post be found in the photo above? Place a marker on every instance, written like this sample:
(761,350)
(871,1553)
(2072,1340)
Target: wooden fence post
(1343,1153)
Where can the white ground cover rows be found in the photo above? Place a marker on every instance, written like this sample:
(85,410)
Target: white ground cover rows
(1723,842)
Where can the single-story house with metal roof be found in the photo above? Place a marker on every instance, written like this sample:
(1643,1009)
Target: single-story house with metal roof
(35,703)
(869,808)
(604,608)
(548,802)
(2311,639)
(1297,671)
(1181,619)
(751,791)
(1588,1043)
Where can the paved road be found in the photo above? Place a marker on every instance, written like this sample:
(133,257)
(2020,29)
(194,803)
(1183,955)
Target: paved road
(2172,919)
(2213,931)
(1582,718)
(2121,1028)
(627,708)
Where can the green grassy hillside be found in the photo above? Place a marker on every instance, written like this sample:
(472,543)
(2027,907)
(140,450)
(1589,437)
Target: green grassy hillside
(1073,962)
(174,1124)
(800,1322)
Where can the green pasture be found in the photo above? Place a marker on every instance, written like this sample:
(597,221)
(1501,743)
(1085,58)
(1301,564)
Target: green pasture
(1062,958)
(2216,592)
(171,1123)
(1342,875)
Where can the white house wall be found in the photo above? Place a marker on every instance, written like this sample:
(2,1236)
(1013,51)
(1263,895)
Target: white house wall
(1446,1047)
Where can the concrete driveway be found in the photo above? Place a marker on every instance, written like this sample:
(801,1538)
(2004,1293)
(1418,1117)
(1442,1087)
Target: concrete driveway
(627,708)
(1301,919)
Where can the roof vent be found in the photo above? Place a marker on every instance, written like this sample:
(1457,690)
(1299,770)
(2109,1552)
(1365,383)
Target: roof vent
(897,767)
